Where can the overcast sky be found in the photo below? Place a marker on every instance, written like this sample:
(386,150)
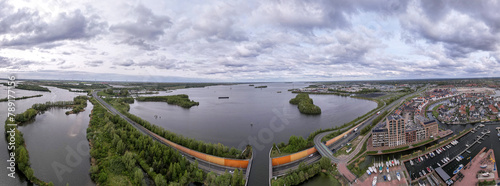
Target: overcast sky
(249,40)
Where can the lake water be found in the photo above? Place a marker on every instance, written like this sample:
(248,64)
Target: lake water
(39,142)
(58,147)
(255,116)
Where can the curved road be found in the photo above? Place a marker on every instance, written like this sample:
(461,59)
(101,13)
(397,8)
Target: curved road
(325,151)
(204,165)
(322,149)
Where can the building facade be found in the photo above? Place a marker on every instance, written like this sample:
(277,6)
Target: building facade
(396,130)
(431,128)
(379,135)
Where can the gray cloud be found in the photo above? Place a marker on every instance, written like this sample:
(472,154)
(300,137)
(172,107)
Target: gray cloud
(261,39)
(304,16)
(15,63)
(461,30)
(27,28)
(160,63)
(94,63)
(147,27)
(125,63)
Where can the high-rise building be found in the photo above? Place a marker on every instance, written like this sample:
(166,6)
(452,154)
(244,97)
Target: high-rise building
(396,130)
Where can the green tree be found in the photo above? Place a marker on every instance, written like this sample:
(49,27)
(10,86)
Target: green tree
(160,180)
(138,176)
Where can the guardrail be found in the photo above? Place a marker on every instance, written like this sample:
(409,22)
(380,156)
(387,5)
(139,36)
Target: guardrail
(249,167)
(270,167)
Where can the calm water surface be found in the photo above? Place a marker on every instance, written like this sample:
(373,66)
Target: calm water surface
(42,136)
(259,117)
(68,158)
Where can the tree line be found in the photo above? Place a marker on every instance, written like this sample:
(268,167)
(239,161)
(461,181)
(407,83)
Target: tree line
(32,87)
(125,156)
(19,98)
(305,104)
(179,100)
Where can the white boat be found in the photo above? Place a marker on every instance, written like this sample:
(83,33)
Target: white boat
(374,182)
(483,166)
(368,172)
(486,174)
(387,169)
(389,177)
(398,176)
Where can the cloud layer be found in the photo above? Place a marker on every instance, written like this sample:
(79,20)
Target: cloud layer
(255,40)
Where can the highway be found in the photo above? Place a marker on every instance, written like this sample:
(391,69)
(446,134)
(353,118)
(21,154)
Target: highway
(204,165)
(323,150)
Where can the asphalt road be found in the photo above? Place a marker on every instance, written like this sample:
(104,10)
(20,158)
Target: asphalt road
(204,165)
(283,169)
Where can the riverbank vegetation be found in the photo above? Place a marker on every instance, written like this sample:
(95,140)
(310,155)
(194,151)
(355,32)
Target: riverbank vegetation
(208,148)
(305,172)
(179,100)
(358,167)
(31,87)
(41,107)
(265,86)
(121,155)
(20,98)
(19,148)
(79,104)
(305,104)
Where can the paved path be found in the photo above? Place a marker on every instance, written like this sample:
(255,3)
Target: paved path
(346,172)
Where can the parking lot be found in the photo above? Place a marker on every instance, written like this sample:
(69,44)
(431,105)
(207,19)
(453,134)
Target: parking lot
(461,149)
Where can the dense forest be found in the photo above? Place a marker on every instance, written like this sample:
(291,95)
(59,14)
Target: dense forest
(123,156)
(179,100)
(208,148)
(32,87)
(305,104)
